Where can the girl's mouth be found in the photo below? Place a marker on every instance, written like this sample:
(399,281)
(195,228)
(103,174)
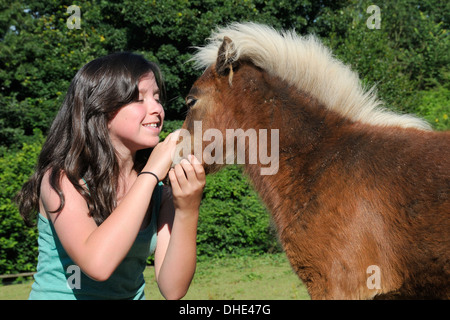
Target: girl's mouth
(154,124)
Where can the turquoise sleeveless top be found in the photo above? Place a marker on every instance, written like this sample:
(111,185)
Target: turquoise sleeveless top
(58,278)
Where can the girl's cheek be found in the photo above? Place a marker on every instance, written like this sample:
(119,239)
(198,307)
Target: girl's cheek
(139,111)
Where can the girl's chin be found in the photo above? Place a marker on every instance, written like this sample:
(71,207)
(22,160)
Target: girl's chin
(152,142)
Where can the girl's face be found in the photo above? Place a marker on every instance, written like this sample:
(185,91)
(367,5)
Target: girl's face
(137,125)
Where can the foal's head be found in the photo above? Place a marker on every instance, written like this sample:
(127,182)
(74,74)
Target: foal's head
(228,95)
(225,91)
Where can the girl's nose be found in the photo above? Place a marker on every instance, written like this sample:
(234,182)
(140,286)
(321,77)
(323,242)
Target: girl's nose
(154,106)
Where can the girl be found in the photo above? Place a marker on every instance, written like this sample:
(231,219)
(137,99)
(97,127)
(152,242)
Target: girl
(98,192)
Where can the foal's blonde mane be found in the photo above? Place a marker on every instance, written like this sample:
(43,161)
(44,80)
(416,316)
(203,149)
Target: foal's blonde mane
(310,66)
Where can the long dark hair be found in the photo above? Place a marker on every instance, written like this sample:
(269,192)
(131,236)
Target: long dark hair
(78,143)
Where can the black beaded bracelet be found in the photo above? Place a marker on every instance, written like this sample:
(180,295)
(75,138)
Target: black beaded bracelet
(148,172)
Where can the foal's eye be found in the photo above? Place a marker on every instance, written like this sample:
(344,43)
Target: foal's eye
(190,101)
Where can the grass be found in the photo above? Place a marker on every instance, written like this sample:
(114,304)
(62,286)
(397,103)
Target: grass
(266,277)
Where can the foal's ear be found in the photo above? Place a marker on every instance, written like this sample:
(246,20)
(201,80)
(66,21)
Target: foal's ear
(225,57)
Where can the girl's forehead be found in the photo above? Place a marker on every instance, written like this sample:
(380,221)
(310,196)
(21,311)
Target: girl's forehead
(147,80)
(148,83)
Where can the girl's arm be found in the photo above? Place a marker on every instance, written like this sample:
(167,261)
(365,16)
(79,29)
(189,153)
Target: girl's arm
(98,250)
(176,251)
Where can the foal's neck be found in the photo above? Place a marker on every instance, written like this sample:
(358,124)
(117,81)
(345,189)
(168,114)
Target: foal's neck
(306,129)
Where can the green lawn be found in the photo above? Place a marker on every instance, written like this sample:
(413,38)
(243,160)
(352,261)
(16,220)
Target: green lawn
(245,278)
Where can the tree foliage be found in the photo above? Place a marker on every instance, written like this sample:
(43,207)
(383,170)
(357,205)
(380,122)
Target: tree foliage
(407,59)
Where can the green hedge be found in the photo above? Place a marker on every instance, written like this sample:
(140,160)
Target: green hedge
(434,106)
(232,219)
(18,243)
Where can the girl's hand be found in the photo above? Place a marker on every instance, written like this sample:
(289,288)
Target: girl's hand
(188,180)
(162,154)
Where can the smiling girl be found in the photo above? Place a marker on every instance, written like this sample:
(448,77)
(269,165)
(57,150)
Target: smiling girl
(102,208)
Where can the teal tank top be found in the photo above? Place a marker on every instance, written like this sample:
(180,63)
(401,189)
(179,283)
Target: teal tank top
(58,278)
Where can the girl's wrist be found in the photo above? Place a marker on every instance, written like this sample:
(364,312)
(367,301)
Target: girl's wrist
(149,173)
(187,214)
